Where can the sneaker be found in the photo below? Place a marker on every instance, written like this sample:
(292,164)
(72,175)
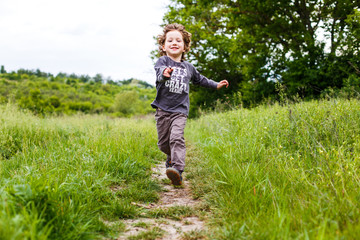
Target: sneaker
(168,163)
(174,175)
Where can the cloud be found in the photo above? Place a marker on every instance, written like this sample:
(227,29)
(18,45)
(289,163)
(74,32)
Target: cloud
(110,37)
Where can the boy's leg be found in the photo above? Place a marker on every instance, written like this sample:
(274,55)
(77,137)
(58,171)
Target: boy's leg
(163,124)
(170,128)
(177,141)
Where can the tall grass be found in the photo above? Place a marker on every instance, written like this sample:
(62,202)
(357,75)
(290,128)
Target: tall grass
(282,172)
(56,174)
(274,172)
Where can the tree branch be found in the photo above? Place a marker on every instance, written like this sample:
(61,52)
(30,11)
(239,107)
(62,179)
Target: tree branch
(356,69)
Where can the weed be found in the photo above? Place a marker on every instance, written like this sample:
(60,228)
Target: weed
(152,234)
(186,222)
(194,235)
(165,181)
(142,225)
(175,212)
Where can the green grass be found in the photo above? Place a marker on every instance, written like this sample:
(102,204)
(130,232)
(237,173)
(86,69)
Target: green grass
(174,212)
(194,235)
(152,234)
(281,172)
(56,174)
(273,172)
(142,225)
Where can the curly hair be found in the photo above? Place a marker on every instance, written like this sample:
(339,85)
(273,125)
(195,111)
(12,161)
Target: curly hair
(171,27)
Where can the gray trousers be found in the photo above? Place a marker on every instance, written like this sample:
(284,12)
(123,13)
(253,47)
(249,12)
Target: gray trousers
(170,129)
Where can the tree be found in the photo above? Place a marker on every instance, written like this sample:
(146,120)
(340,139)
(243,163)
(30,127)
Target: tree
(255,43)
(84,78)
(98,78)
(2,69)
(351,42)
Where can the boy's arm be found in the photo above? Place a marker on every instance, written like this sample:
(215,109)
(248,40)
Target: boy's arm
(205,82)
(163,72)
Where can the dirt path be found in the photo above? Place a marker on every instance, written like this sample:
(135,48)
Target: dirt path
(185,227)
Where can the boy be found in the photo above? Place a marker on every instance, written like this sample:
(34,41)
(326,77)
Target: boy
(173,75)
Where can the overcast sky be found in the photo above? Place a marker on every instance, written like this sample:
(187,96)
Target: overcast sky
(110,37)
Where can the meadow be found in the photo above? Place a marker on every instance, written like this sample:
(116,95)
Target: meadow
(281,172)
(272,172)
(64,177)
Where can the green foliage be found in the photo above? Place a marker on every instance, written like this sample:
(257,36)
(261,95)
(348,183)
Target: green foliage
(44,94)
(59,176)
(126,102)
(308,46)
(281,172)
(36,102)
(351,40)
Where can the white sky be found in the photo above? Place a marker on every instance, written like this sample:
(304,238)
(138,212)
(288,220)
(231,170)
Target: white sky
(110,37)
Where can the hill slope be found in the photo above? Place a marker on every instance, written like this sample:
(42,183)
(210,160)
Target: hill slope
(45,94)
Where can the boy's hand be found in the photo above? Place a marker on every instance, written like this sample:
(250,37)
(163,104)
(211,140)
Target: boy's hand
(167,72)
(222,83)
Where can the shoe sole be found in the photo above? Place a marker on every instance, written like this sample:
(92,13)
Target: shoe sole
(174,176)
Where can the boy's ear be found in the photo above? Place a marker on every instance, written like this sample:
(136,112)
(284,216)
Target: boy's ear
(163,47)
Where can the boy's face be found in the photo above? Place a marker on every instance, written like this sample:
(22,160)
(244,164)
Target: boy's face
(174,45)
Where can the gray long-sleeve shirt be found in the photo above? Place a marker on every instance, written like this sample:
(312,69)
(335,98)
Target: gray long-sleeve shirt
(173,93)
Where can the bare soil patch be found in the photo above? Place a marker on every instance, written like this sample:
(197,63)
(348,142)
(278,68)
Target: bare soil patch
(189,227)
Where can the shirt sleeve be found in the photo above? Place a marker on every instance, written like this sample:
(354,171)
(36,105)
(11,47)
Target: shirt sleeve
(160,66)
(201,80)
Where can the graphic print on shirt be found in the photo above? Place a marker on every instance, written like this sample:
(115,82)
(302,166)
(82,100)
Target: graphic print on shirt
(177,82)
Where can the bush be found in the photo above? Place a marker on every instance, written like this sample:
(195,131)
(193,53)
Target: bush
(126,103)
(81,106)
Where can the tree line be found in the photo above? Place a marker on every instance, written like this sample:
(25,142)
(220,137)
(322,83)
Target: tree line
(98,78)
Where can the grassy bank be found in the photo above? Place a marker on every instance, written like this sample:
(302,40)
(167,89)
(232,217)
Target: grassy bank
(57,174)
(280,172)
